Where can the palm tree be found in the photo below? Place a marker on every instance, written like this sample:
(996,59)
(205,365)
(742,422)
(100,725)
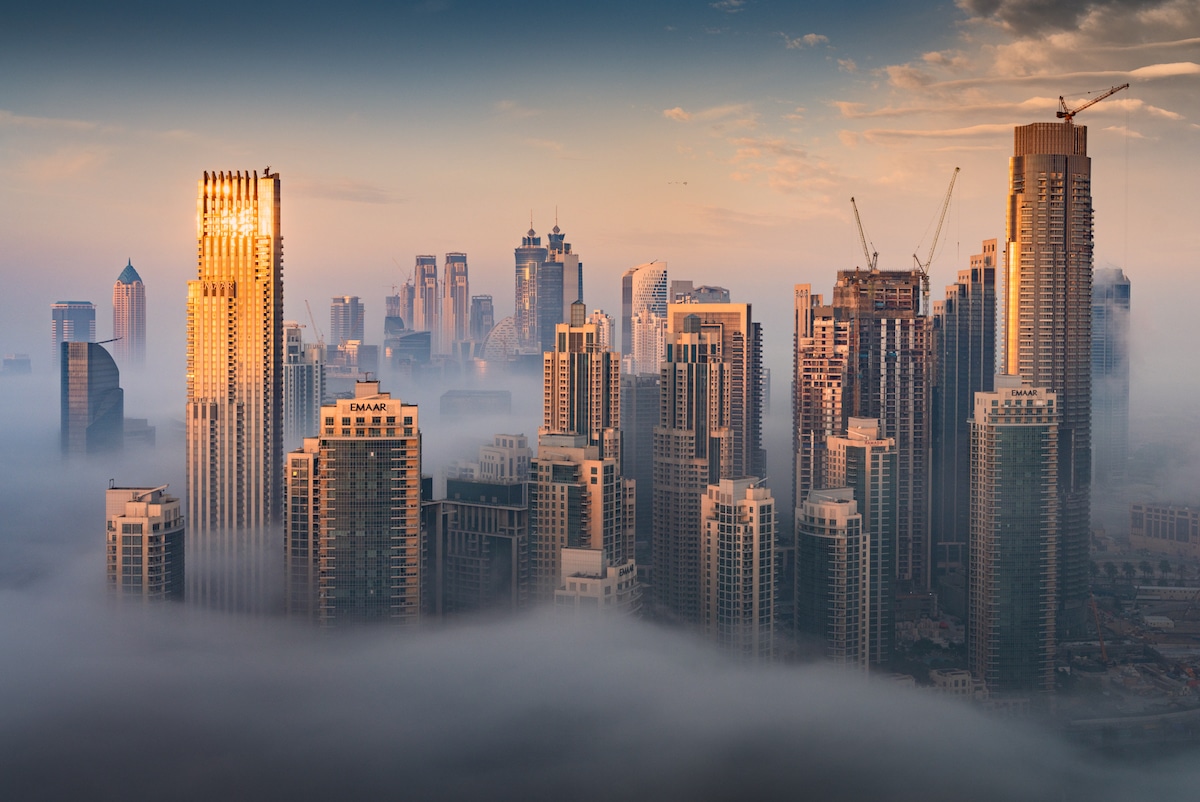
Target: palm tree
(1147,570)
(1110,570)
(1129,571)
(1164,568)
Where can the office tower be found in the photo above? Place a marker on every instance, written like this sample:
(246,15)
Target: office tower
(302,532)
(530,256)
(483,317)
(427,301)
(829,555)
(1110,378)
(303,385)
(393,318)
(582,386)
(548,280)
(865,463)
(408,301)
(129,318)
(649,333)
(234,412)
(579,501)
(145,543)
(71,322)
(456,301)
(639,415)
(643,289)
(93,403)
(604,328)
(738,567)
(345,319)
(964,337)
(365,505)
(685,292)
(559,252)
(1044,322)
(1014,537)
(693,448)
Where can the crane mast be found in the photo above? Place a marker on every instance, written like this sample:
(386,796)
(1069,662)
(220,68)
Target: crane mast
(1068,114)
(316,328)
(923,267)
(871,255)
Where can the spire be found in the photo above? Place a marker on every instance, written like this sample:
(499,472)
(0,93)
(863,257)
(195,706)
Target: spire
(128,275)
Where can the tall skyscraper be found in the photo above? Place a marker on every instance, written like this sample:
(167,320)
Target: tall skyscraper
(559,252)
(483,317)
(548,280)
(1014,537)
(582,386)
(427,301)
(71,322)
(604,328)
(530,256)
(738,567)
(639,415)
(964,335)
(129,318)
(829,556)
(1110,379)
(365,505)
(303,385)
(456,301)
(643,288)
(649,346)
(145,543)
(693,448)
(1044,323)
(346,321)
(93,403)
(234,412)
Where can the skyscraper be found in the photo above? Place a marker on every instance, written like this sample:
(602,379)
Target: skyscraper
(365,505)
(582,386)
(345,320)
(1044,322)
(145,543)
(829,556)
(303,385)
(71,322)
(643,288)
(548,280)
(1014,537)
(1110,379)
(427,301)
(738,567)
(559,252)
(129,318)
(93,403)
(456,301)
(964,335)
(639,416)
(234,412)
(604,328)
(483,317)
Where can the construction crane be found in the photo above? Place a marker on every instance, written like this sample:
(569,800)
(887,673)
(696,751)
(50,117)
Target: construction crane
(872,255)
(316,328)
(1067,114)
(923,267)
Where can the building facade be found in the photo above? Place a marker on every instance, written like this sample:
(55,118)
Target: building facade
(234,412)
(427,301)
(582,386)
(829,573)
(456,301)
(92,401)
(129,318)
(639,416)
(1012,590)
(145,543)
(71,322)
(346,320)
(1110,383)
(643,289)
(483,317)
(303,385)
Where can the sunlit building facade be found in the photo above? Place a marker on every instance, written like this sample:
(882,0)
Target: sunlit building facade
(129,318)
(643,289)
(427,301)
(145,544)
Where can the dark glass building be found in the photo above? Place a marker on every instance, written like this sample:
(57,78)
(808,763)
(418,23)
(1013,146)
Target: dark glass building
(93,403)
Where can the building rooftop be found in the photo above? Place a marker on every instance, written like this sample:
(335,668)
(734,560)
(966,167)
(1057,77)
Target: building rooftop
(128,275)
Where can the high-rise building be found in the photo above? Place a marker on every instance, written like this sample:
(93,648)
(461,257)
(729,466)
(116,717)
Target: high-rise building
(1110,378)
(530,256)
(582,386)
(549,280)
(129,318)
(643,288)
(639,416)
(685,292)
(1014,537)
(427,300)
(693,448)
(738,567)
(865,463)
(829,573)
(365,505)
(93,403)
(559,252)
(649,346)
(145,543)
(345,320)
(964,336)
(303,385)
(1044,322)
(71,322)
(302,532)
(483,317)
(456,301)
(604,328)
(407,303)
(234,412)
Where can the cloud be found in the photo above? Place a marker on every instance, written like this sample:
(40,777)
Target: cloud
(546,144)
(677,114)
(1123,131)
(729,6)
(807,40)
(1033,17)
(781,164)
(904,76)
(887,135)
(512,108)
(350,190)
(853,110)
(736,115)
(847,65)
(9,119)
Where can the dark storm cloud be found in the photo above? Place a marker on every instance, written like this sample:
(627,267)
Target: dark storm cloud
(1031,17)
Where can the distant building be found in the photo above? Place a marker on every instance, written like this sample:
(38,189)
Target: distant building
(346,320)
(456,302)
(129,319)
(548,280)
(582,386)
(643,290)
(649,333)
(1110,386)
(71,322)
(145,543)
(427,301)
(639,415)
(1168,529)
(604,328)
(684,292)
(1012,587)
(303,385)
(93,403)
(16,365)
(738,567)
(483,317)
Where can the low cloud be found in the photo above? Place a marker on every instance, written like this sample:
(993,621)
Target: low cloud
(807,40)
(886,135)
(729,6)
(511,108)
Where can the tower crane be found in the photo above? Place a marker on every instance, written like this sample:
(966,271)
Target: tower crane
(1067,114)
(316,328)
(923,267)
(871,255)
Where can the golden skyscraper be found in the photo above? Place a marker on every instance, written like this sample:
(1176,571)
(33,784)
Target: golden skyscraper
(234,409)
